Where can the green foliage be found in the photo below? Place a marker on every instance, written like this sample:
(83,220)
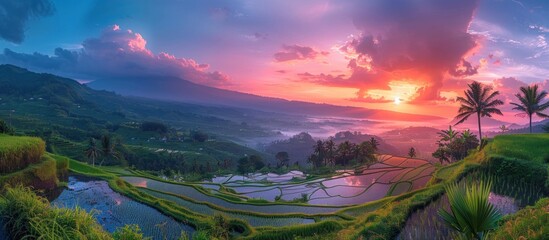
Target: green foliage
(154,127)
(471,214)
(454,146)
(5,128)
(128,232)
(529,223)
(18,152)
(327,153)
(479,100)
(31,216)
(250,164)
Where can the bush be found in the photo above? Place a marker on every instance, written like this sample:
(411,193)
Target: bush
(5,128)
(17,153)
(128,232)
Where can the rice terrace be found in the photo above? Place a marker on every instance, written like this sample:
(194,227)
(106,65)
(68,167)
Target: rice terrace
(274,120)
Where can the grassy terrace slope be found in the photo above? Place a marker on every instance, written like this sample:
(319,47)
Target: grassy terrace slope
(17,153)
(22,161)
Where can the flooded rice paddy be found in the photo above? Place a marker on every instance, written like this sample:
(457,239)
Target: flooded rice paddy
(112,210)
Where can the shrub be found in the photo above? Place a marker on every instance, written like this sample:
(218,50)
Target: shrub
(128,232)
(472,215)
(5,128)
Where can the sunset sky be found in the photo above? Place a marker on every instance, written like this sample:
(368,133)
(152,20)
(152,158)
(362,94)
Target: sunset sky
(359,53)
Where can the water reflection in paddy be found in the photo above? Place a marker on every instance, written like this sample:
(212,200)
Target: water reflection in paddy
(347,188)
(191,192)
(113,210)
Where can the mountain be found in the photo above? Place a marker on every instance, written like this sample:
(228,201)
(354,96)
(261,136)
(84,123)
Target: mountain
(423,139)
(176,89)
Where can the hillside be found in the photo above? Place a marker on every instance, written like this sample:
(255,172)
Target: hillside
(67,114)
(423,139)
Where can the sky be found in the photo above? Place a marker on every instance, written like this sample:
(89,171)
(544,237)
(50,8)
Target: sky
(373,54)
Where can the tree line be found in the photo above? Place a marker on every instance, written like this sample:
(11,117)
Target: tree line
(328,153)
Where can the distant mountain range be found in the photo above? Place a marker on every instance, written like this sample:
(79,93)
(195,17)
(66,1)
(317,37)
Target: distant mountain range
(176,89)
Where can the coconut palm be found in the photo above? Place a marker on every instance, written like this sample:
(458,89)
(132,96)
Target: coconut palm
(330,148)
(374,143)
(92,152)
(479,100)
(530,103)
(503,128)
(108,148)
(470,212)
(412,152)
(448,135)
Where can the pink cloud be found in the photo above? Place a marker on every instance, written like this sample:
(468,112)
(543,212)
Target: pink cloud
(421,42)
(121,54)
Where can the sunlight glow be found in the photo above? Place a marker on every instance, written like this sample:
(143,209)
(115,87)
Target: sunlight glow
(397,100)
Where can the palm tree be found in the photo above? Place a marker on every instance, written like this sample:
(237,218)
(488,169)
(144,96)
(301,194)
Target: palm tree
(330,148)
(503,128)
(374,143)
(108,148)
(479,100)
(448,135)
(530,103)
(92,152)
(471,214)
(412,152)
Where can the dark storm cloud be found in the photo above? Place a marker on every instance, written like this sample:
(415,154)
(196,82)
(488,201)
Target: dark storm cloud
(14,15)
(297,52)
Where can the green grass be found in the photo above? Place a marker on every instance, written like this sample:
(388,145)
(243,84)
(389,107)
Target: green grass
(30,216)
(532,147)
(17,153)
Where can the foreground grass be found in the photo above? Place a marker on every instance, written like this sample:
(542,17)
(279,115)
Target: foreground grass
(32,217)
(529,223)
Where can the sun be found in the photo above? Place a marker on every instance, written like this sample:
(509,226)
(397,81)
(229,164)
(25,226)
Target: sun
(397,100)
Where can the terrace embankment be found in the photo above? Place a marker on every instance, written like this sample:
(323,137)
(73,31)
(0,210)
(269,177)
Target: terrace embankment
(23,161)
